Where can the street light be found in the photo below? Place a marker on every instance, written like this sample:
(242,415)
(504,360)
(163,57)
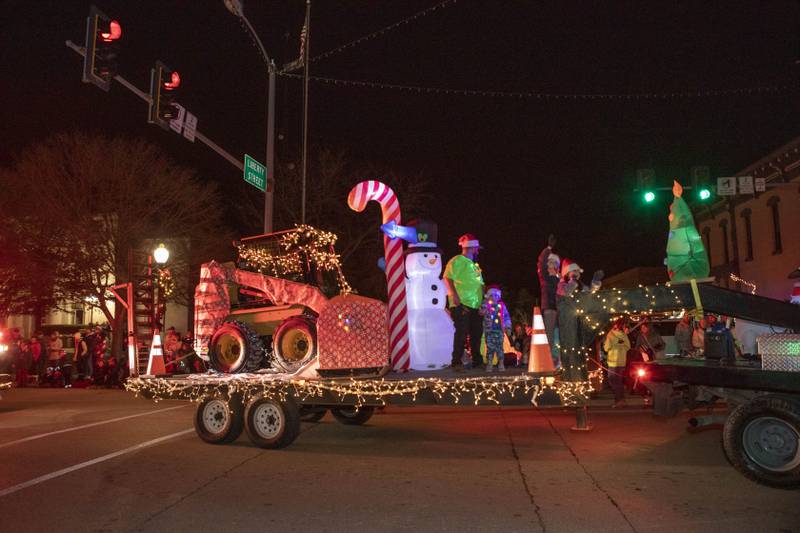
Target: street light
(236,7)
(161,254)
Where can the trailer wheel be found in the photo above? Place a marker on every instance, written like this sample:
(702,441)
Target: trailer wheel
(294,343)
(349,416)
(310,413)
(761,439)
(235,348)
(219,422)
(271,423)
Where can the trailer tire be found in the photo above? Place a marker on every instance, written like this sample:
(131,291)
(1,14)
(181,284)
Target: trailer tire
(272,424)
(761,439)
(310,413)
(294,343)
(349,416)
(235,348)
(218,421)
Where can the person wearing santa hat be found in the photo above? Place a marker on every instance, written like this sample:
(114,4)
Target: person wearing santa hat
(464,281)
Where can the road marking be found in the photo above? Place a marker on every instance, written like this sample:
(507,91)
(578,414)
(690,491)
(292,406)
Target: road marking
(73,468)
(76,428)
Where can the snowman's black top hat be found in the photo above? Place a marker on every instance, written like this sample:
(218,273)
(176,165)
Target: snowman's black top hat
(427,235)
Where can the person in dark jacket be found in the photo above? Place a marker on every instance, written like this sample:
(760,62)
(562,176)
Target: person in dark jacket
(548,267)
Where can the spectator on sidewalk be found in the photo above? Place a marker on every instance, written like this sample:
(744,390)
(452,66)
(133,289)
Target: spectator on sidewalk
(683,335)
(36,356)
(650,342)
(55,349)
(699,338)
(616,347)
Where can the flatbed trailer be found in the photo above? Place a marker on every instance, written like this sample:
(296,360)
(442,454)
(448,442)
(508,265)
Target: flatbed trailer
(761,429)
(270,406)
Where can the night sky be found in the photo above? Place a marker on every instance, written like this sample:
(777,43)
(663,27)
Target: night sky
(509,169)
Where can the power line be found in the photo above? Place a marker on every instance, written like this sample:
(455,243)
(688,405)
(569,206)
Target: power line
(700,93)
(382,31)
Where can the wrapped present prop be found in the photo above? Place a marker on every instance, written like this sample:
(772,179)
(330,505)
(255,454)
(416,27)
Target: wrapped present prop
(352,333)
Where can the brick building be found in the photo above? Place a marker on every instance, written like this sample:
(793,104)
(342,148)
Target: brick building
(756,237)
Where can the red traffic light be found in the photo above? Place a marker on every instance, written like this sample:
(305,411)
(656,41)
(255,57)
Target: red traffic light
(114,32)
(175,81)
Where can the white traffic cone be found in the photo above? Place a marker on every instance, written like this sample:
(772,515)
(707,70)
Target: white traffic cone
(155,364)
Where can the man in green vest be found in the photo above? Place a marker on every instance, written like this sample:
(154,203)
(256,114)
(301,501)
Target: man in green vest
(464,281)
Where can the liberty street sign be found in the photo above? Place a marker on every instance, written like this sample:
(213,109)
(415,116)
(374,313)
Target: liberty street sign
(255,173)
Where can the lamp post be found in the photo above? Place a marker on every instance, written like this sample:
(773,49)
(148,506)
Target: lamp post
(236,7)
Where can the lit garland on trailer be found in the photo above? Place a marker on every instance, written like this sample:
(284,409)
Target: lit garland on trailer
(364,391)
(616,304)
(303,246)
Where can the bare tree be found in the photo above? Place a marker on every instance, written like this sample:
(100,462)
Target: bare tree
(332,174)
(76,204)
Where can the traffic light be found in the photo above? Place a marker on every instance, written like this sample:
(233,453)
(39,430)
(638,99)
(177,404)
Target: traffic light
(164,83)
(102,49)
(646,181)
(700,182)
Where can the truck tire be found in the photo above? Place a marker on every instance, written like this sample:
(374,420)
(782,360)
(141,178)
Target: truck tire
(294,344)
(761,439)
(218,421)
(271,423)
(235,348)
(349,416)
(309,413)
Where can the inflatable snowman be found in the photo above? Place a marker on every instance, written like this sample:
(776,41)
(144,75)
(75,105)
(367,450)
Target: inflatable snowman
(430,329)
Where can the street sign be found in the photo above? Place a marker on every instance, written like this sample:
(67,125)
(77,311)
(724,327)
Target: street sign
(726,186)
(189,127)
(176,124)
(761,184)
(254,172)
(700,174)
(746,185)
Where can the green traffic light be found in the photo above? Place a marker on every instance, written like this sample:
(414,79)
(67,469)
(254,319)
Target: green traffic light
(705,194)
(649,196)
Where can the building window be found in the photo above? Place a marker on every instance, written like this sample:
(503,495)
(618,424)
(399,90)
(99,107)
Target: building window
(707,238)
(776,225)
(723,225)
(79,316)
(748,233)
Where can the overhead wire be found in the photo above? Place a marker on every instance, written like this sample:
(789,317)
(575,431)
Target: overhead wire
(378,33)
(699,93)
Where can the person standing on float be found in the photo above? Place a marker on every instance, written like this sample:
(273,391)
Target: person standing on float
(547,267)
(464,281)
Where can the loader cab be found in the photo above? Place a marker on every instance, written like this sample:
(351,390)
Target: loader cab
(302,255)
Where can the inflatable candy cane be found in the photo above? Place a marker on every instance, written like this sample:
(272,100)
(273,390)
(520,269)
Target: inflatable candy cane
(358,198)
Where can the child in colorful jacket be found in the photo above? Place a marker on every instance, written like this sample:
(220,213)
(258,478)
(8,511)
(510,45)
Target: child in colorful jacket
(496,320)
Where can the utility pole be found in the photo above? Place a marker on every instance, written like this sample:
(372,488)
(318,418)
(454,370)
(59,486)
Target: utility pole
(305,108)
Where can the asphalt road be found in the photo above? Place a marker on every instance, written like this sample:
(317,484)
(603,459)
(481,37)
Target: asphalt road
(98,460)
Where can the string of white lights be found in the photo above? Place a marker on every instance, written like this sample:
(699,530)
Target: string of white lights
(703,93)
(382,31)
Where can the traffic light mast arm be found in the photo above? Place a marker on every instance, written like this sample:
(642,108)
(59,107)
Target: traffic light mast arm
(146,97)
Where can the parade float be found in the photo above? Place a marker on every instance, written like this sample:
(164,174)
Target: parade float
(287,340)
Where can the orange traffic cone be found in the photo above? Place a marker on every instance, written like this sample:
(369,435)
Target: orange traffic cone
(155,364)
(540,359)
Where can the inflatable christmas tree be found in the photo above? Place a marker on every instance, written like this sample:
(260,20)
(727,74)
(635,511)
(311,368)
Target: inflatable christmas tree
(686,254)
